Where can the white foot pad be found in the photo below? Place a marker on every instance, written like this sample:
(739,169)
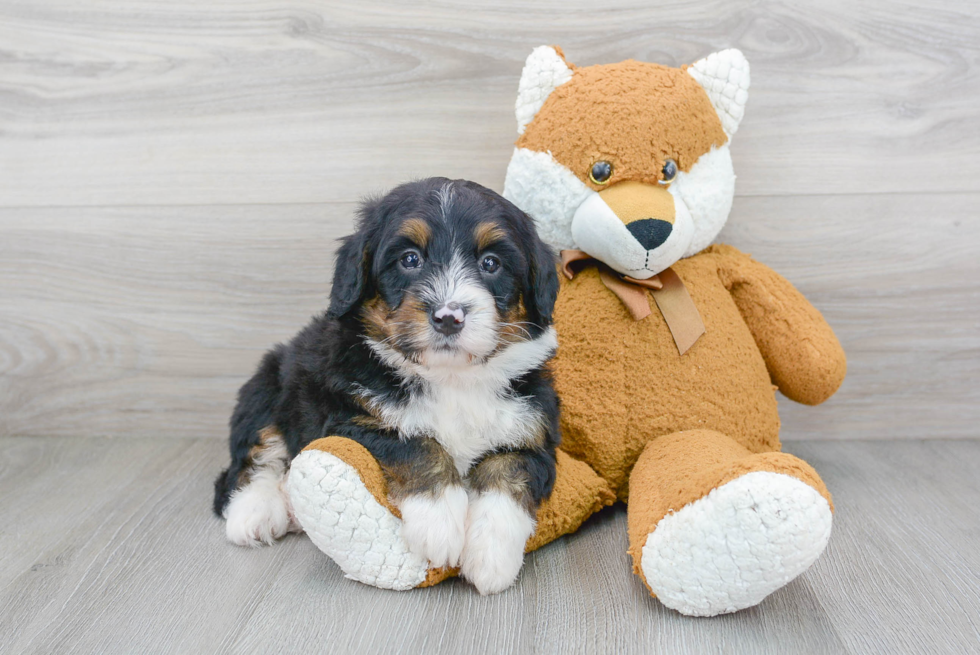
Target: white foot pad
(732,548)
(344,520)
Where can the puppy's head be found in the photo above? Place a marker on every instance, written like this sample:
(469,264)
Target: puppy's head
(444,272)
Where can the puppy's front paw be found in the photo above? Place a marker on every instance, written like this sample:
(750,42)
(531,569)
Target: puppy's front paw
(434,527)
(497,530)
(257,514)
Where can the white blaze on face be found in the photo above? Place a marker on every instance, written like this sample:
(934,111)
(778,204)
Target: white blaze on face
(457,283)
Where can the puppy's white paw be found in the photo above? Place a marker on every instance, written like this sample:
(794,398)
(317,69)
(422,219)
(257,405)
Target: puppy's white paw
(434,527)
(257,514)
(496,532)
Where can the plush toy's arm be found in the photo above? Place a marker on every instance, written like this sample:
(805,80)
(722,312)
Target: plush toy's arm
(803,356)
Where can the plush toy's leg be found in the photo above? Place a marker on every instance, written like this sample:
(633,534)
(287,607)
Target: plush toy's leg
(339,496)
(715,528)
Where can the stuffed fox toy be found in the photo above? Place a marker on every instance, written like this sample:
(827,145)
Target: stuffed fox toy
(670,349)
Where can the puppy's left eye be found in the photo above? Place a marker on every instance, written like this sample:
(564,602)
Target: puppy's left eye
(410,259)
(669,172)
(490,263)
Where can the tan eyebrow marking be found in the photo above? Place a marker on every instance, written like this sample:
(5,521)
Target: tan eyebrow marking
(417,230)
(488,233)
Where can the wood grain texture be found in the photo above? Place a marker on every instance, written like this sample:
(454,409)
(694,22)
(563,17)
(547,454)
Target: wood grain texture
(108,546)
(145,321)
(234,101)
(899,557)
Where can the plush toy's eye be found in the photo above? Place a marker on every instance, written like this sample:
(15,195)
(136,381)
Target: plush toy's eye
(601,172)
(490,263)
(669,171)
(410,259)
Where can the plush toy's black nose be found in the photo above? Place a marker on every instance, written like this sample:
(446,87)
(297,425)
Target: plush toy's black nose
(650,232)
(448,319)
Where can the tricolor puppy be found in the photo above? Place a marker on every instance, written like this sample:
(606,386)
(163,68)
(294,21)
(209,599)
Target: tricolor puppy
(433,356)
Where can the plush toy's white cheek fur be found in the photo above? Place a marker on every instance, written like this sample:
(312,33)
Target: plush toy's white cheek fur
(548,192)
(706,191)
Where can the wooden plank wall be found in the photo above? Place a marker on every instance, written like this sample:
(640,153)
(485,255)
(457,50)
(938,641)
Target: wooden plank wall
(173,176)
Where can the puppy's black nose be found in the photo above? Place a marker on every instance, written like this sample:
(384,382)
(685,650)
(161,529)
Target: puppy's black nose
(448,319)
(650,232)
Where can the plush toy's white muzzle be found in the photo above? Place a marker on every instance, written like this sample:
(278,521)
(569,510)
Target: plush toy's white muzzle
(599,231)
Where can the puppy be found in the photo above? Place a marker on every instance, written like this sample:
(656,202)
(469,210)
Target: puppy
(432,355)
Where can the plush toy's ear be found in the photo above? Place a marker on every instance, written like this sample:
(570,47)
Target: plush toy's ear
(725,77)
(544,71)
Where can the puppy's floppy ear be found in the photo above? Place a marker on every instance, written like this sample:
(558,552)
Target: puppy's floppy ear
(541,281)
(349,275)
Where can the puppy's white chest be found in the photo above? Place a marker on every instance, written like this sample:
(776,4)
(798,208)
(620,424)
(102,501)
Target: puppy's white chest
(468,420)
(471,410)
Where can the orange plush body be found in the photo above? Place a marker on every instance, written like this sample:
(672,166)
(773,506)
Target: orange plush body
(695,421)
(623,383)
(629,164)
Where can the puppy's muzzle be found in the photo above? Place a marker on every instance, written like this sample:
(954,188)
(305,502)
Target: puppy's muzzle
(448,319)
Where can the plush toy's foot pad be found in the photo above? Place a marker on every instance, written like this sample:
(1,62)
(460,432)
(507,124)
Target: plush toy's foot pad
(732,548)
(345,520)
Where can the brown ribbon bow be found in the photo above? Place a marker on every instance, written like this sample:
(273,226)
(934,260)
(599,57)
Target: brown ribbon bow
(667,288)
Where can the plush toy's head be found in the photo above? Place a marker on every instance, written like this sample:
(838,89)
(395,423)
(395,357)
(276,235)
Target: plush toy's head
(630,161)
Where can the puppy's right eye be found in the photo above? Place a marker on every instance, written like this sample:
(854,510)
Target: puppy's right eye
(490,264)
(410,259)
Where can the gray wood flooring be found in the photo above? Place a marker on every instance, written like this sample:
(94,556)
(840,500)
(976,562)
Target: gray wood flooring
(108,546)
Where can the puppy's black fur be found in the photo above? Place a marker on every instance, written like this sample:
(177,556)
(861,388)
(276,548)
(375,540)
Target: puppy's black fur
(315,385)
